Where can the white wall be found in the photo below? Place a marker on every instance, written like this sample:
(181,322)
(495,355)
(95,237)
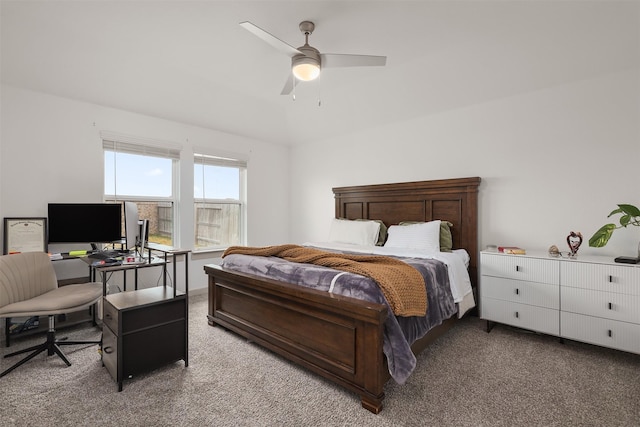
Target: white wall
(551,161)
(51,151)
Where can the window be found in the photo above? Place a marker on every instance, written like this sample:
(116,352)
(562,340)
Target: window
(144,174)
(219,198)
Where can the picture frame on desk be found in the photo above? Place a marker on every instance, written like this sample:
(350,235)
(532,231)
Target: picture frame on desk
(27,234)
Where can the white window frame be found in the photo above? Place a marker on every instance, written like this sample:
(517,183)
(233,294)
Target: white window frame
(118,143)
(203,159)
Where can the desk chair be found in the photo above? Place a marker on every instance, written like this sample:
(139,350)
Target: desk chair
(29,287)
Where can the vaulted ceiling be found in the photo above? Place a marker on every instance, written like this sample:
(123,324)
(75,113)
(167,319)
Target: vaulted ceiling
(191,62)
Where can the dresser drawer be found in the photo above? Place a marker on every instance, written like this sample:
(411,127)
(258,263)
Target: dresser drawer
(524,316)
(110,315)
(110,352)
(601,277)
(594,330)
(520,268)
(168,311)
(539,294)
(606,305)
(152,348)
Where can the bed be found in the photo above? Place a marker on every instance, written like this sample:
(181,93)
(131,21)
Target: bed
(339,337)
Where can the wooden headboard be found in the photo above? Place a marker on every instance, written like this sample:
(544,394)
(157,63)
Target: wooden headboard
(453,200)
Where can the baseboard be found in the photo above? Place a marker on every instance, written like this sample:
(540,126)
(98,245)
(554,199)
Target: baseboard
(198,291)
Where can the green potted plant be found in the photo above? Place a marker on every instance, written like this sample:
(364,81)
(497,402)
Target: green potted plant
(630,215)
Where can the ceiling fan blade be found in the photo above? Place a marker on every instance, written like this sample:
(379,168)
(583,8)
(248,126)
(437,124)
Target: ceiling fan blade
(329,60)
(288,86)
(271,39)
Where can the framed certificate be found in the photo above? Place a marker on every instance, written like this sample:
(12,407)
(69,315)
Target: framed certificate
(25,235)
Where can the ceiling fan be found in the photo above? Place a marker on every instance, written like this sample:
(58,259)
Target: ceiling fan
(307,61)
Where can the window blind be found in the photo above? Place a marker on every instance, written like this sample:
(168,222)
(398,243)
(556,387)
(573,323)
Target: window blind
(140,146)
(205,159)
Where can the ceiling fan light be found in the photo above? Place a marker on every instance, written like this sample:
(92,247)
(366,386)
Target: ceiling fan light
(306,72)
(306,68)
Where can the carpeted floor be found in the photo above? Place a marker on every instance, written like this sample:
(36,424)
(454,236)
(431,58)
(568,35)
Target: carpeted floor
(467,378)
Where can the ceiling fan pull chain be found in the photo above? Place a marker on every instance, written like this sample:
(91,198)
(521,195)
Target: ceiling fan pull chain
(319,97)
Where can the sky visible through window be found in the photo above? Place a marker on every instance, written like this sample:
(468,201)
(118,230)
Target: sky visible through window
(148,176)
(219,182)
(136,175)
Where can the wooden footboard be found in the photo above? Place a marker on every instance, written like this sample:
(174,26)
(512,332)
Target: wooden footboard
(337,337)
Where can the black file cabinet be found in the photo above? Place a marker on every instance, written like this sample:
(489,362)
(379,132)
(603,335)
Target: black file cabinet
(143,330)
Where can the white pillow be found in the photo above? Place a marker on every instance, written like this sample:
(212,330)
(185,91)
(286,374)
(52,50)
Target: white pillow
(354,232)
(424,236)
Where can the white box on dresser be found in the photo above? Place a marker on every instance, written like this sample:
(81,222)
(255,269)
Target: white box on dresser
(589,298)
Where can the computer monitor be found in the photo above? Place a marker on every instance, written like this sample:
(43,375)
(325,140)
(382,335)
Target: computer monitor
(84,222)
(136,230)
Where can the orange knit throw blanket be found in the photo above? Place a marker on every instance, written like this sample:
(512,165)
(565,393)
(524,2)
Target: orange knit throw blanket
(402,285)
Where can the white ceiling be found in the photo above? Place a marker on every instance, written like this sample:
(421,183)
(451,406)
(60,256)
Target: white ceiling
(191,62)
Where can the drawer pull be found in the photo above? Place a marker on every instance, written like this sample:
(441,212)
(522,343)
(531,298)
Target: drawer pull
(609,333)
(517,315)
(517,291)
(610,306)
(107,316)
(517,268)
(108,350)
(610,279)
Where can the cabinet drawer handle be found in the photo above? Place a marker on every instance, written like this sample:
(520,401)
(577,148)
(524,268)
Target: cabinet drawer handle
(610,279)
(610,306)
(517,268)
(517,315)
(107,316)
(517,291)
(609,333)
(108,350)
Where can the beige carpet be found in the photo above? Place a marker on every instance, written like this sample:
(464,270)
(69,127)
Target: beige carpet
(468,378)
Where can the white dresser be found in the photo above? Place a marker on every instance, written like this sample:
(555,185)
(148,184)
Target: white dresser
(590,298)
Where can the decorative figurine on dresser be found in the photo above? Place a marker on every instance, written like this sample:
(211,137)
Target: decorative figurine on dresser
(574,240)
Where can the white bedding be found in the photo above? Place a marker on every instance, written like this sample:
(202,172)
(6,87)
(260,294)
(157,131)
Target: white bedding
(457,263)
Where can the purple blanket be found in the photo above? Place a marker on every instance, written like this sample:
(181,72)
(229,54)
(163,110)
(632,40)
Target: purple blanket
(399,332)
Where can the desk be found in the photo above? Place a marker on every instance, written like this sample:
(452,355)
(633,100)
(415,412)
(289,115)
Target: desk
(172,252)
(104,269)
(169,254)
